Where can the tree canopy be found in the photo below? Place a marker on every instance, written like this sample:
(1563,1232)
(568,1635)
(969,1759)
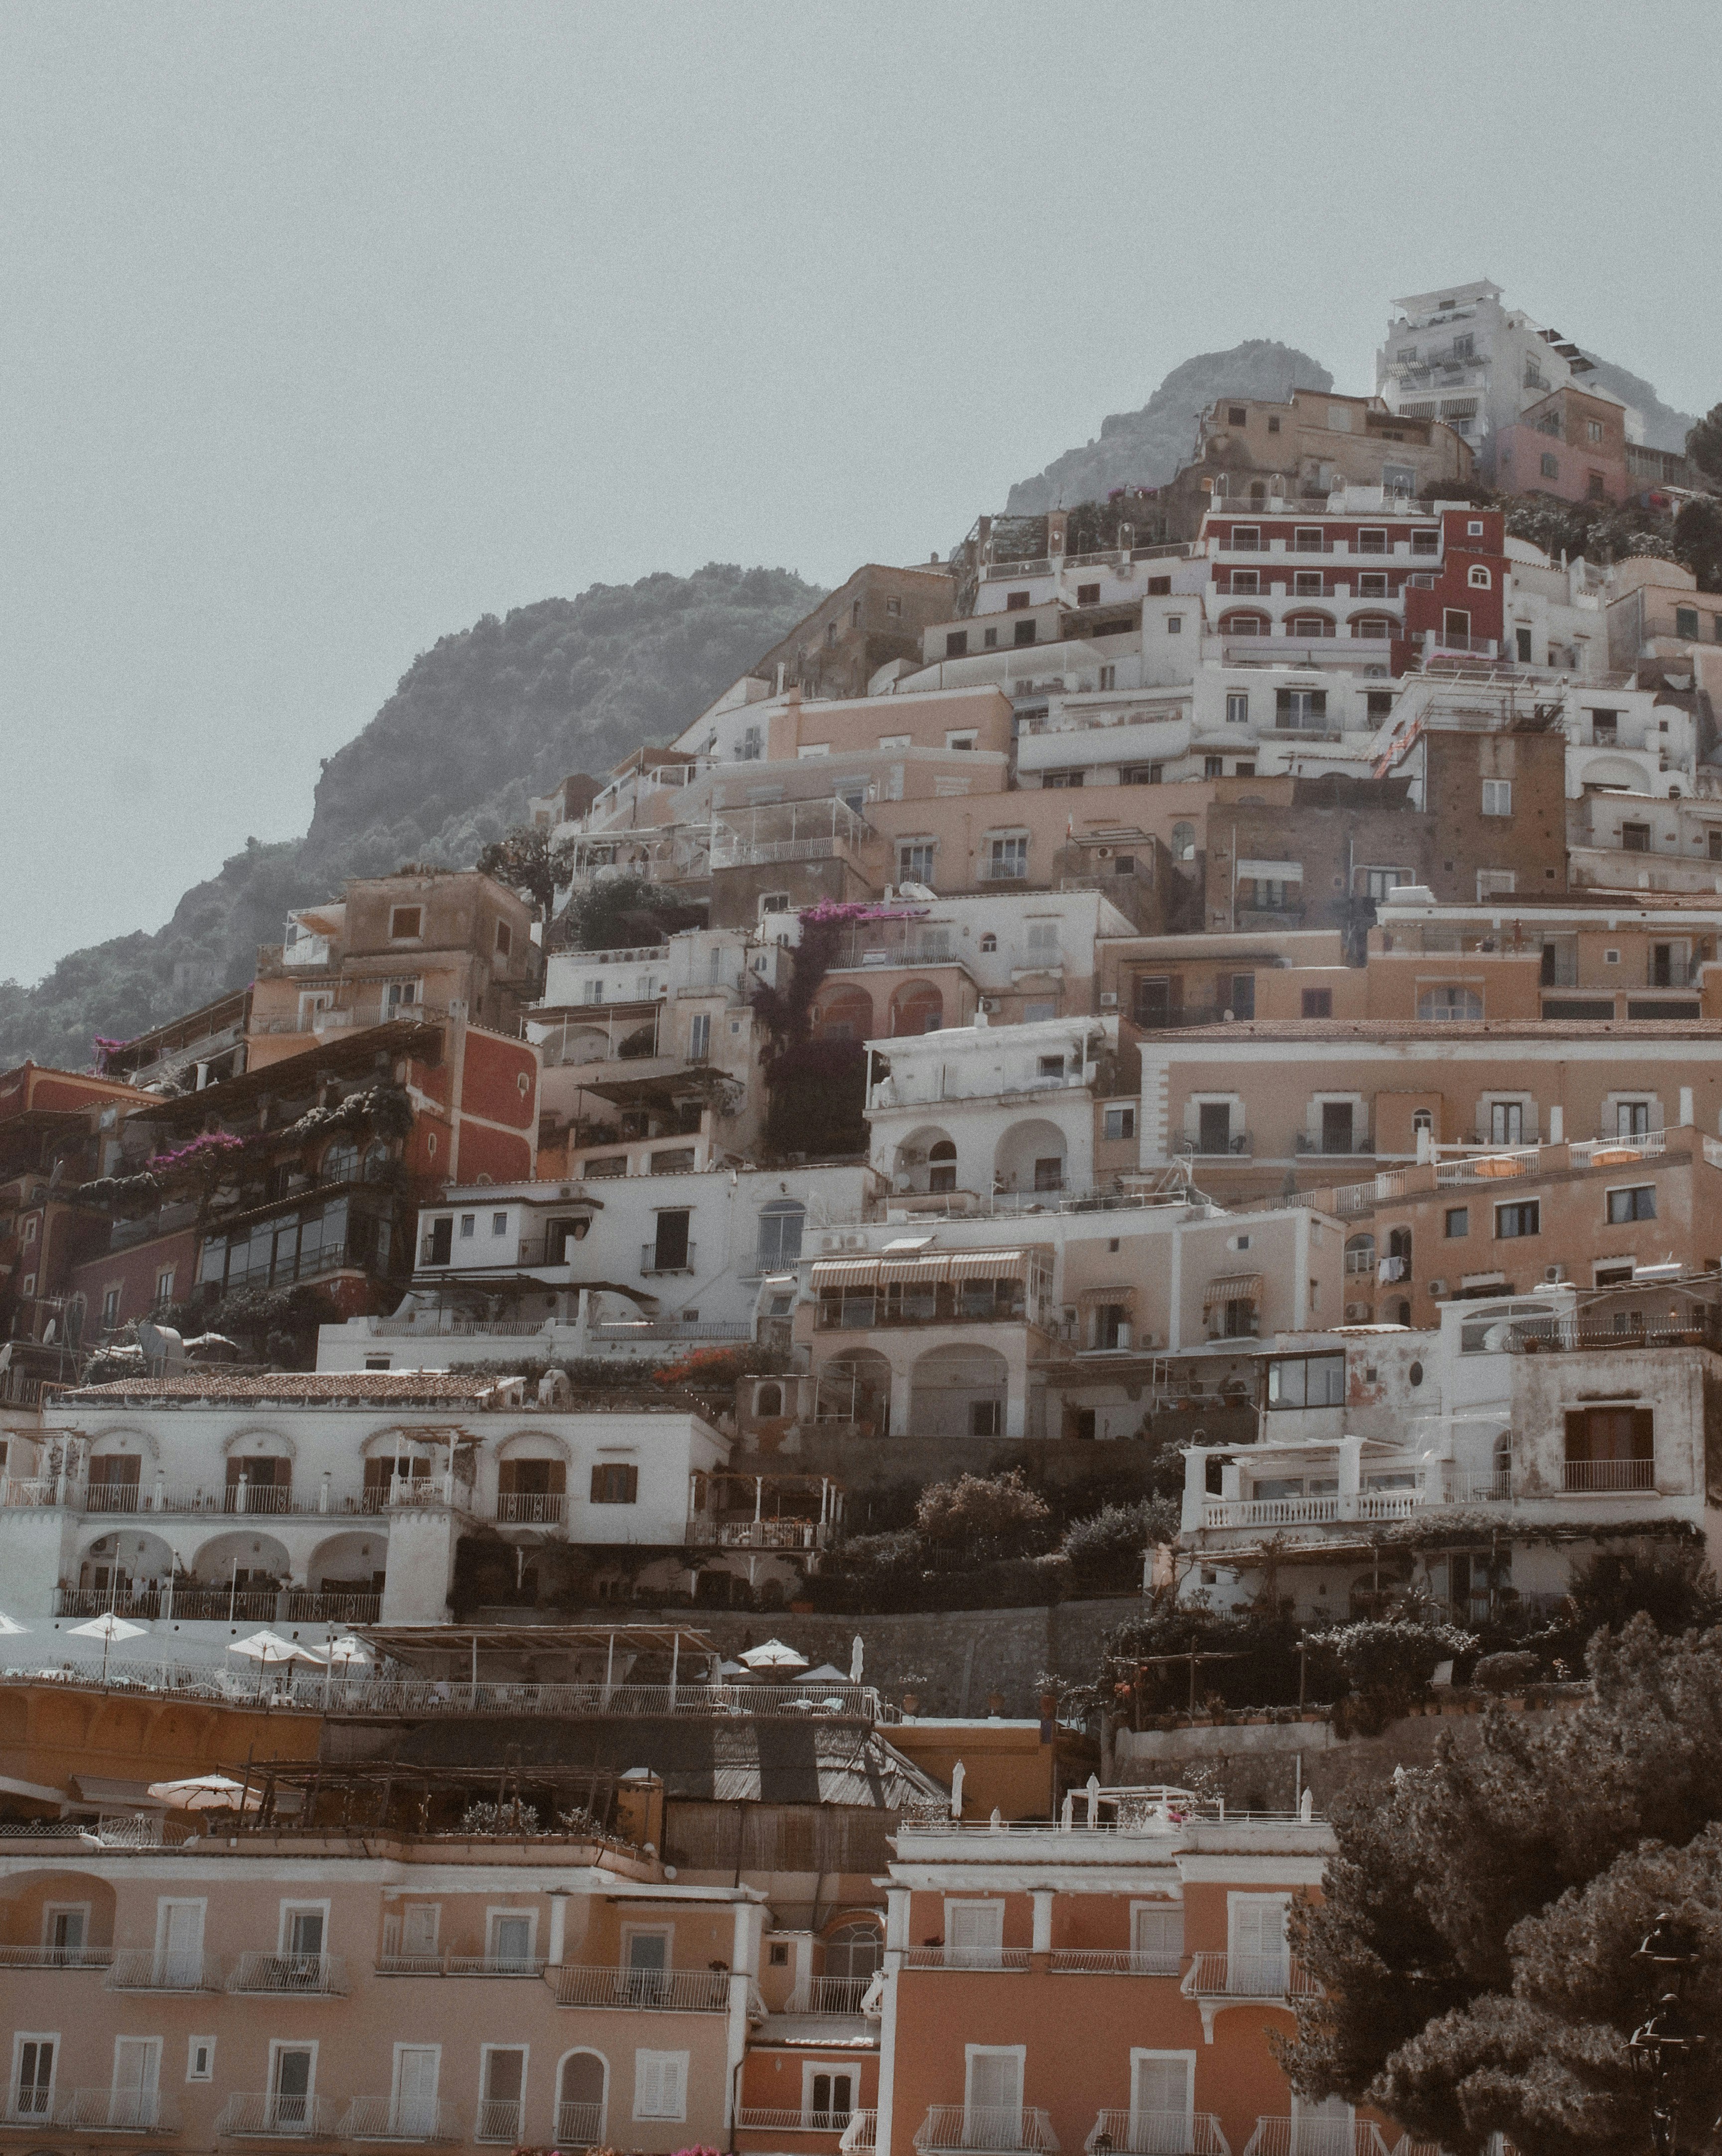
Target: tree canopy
(1704,444)
(1475,1943)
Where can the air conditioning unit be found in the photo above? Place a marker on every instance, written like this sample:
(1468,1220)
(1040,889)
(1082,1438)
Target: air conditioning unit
(989,1003)
(1553,1273)
(1102,853)
(1357,1313)
(830,1242)
(1108,999)
(1438,1287)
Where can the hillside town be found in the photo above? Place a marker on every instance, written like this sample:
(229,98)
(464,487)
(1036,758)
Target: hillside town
(739,1478)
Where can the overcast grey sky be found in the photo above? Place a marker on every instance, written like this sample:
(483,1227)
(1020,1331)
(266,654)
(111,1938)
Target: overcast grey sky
(328,327)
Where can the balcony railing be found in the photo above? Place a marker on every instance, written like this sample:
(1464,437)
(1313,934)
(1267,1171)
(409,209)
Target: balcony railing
(1249,1976)
(627,1332)
(784,2121)
(663,1991)
(1214,1147)
(756,1534)
(303,1975)
(1315,2136)
(273,2117)
(493,1965)
(1109,1961)
(46,1957)
(1348,1144)
(1269,1512)
(498,2119)
(830,1995)
(116,2111)
(650,1263)
(970,1958)
(147,1969)
(380,2118)
(991,2129)
(540,1508)
(1588,1477)
(1004,871)
(861,2133)
(250,1500)
(580,2125)
(1157,2133)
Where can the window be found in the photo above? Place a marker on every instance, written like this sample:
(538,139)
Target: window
(780,1226)
(1478,578)
(1024,632)
(200,2058)
(1306,1380)
(292,2073)
(1300,707)
(1522,640)
(1238,707)
(893,609)
(1686,621)
(1151,774)
(1380,883)
(989,942)
(961,741)
(1237,415)
(1007,859)
(615,1482)
(1634,838)
(1056,780)
(1595,488)
(974,1933)
(1175,625)
(1246,539)
(508,1937)
(1120,1122)
(1639,1203)
(986,1418)
(1273,423)
(1593,430)
(404,923)
(1449,1002)
(111,1309)
(1088,595)
(1457,1222)
(1550,465)
(1522,1217)
(992,2095)
(1506,1122)
(1184,842)
(827,2097)
(469,1225)
(499,1224)
(671,1250)
(1159,588)
(1372,542)
(33,2078)
(134,2103)
(1213,767)
(1318,1002)
(1498,797)
(1307,583)
(699,1037)
(1157,1939)
(505,939)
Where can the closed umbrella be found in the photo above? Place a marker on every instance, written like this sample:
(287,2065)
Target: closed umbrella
(857,1650)
(206,1793)
(107,1628)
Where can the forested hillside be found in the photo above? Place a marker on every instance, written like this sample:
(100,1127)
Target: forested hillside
(484,718)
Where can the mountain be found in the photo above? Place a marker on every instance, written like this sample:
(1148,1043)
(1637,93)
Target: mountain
(1147,448)
(1664,427)
(484,718)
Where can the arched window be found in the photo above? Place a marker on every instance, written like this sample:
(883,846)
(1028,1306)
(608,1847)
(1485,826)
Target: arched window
(1423,1120)
(942,1165)
(1479,578)
(989,942)
(1184,842)
(1450,1002)
(1258,490)
(854,1952)
(378,1161)
(767,1401)
(1360,1255)
(917,1007)
(780,1226)
(582,2086)
(1243,625)
(341,1162)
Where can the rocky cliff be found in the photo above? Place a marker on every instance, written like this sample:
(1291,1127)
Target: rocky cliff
(484,718)
(1147,448)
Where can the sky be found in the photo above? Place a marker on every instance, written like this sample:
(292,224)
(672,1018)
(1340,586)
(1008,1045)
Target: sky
(329,327)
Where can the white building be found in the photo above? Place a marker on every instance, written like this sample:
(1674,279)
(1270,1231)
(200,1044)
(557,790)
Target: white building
(200,1507)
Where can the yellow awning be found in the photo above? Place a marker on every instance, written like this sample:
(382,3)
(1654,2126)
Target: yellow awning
(1232,1287)
(846,1272)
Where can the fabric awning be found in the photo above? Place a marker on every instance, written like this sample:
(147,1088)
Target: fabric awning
(1273,871)
(846,1272)
(919,1272)
(990,1265)
(1088,1298)
(1232,1287)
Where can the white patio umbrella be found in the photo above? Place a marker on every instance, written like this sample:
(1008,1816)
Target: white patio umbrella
(9,1626)
(773,1656)
(206,1793)
(107,1628)
(348,1650)
(826,1673)
(270,1647)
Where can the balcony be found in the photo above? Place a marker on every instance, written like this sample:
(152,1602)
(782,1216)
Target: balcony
(1589,1478)
(969,1957)
(1212,1146)
(498,2119)
(531,1508)
(1269,1513)
(864,951)
(1107,1961)
(380,2118)
(1350,1145)
(116,2111)
(653,1266)
(758,1534)
(630,1332)
(830,1995)
(1315,2136)
(272,2117)
(792,2122)
(147,1969)
(985,2130)
(580,2125)
(861,2134)
(1157,2133)
(44,1957)
(1010,870)
(1276,1977)
(307,1975)
(658,1990)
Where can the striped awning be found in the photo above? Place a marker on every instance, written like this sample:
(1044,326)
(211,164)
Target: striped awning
(990,1265)
(917,1272)
(846,1272)
(1121,1292)
(1232,1287)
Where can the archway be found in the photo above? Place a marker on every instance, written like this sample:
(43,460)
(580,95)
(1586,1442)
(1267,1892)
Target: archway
(916,1007)
(347,1564)
(582,2096)
(123,1566)
(857,1390)
(1030,1156)
(960,1392)
(845,1012)
(926,1160)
